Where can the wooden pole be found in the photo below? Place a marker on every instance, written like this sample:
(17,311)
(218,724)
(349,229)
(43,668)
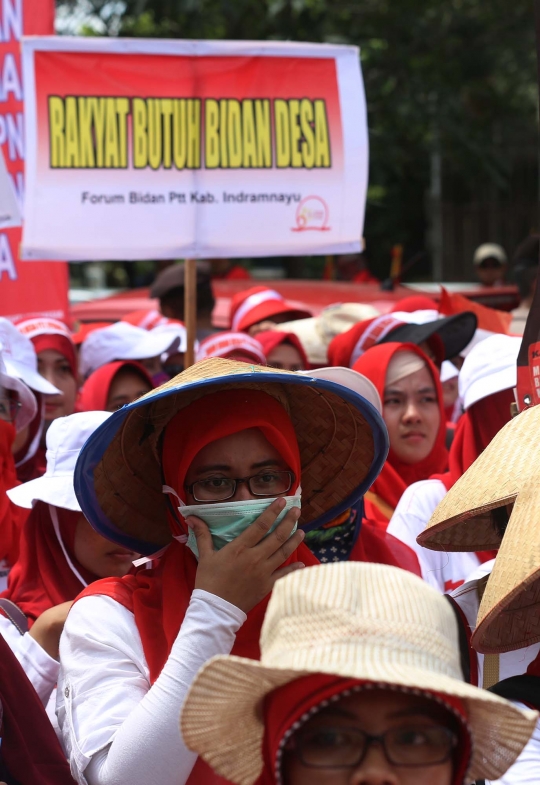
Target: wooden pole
(190,309)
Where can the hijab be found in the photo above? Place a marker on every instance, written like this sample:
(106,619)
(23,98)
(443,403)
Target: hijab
(11,516)
(287,708)
(271,339)
(59,343)
(396,475)
(30,753)
(46,573)
(95,391)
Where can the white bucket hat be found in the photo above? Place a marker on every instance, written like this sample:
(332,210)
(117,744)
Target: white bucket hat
(28,404)
(491,366)
(362,621)
(123,341)
(174,330)
(65,439)
(21,360)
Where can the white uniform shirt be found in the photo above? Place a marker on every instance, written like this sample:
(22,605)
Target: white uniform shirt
(526,771)
(41,669)
(117,727)
(445,571)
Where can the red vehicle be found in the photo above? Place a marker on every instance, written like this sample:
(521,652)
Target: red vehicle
(313,295)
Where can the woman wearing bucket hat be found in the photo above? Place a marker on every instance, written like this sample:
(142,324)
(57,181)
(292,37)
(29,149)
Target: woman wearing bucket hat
(60,554)
(113,385)
(486,383)
(413,410)
(359,682)
(131,647)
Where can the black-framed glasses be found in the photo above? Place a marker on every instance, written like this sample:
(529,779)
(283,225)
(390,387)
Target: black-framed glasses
(344,748)
(9,408)
(219,489)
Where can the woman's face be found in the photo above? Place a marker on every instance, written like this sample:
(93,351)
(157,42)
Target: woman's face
(243,454)
(374,712)
(54,367)
(98,555)
(126,387)
(286,357)
(412,416)
(450,392)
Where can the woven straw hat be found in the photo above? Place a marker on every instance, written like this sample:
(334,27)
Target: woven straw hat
(363,621)
(508,616)
(463,520)
(118,481)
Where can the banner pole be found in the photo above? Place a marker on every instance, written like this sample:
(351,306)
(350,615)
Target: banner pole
(190,309)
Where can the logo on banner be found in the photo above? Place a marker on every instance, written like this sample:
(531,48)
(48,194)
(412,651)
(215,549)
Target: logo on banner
(312,215)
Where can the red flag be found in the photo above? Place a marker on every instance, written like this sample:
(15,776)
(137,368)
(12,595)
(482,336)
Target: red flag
(488,318)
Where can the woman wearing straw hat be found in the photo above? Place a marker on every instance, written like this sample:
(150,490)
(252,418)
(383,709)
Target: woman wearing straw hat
(359,683)
(241,448)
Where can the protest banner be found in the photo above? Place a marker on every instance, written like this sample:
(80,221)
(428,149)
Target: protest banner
(164,149)
(41,288)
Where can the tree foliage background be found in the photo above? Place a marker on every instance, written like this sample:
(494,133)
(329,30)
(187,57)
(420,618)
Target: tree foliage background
(460,74)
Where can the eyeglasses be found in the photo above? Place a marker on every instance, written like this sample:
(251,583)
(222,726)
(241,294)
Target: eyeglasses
(343,748)
(9,408)
(219,489)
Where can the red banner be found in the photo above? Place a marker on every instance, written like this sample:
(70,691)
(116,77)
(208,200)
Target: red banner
(26,288)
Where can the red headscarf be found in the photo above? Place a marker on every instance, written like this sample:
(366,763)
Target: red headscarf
(474,431)
(290,704)
(95,391)
(61,344)
(11,517)
(42,576)
(270,339)
(159,598)
(31,754)
(396,475)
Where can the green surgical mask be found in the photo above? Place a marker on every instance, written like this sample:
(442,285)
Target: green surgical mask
(227,520)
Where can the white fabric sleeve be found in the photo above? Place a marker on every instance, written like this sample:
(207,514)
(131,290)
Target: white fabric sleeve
(41,669)
(443,571)
(525,770)
(115,726)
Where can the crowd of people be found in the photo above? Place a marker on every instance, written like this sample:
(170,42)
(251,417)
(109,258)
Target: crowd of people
(278,565)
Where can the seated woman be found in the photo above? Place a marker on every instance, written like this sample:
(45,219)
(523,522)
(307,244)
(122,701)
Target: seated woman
(201,470)
(359,683)
(113,385)
(283,350)
(60,554)
(413,410)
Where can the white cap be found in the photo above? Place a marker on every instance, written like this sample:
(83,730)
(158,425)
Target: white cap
(353,380)
(489,251)
(43,325)
(65,439)
(21,360)
(448,371)
(491,366)
(123,341)
(174,330)
(28,404)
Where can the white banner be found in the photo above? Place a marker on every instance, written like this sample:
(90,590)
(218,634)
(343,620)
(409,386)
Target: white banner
(166,149)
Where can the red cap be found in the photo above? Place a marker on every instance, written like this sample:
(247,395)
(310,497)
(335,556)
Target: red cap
(258,304)
(225,344)
(346,348)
